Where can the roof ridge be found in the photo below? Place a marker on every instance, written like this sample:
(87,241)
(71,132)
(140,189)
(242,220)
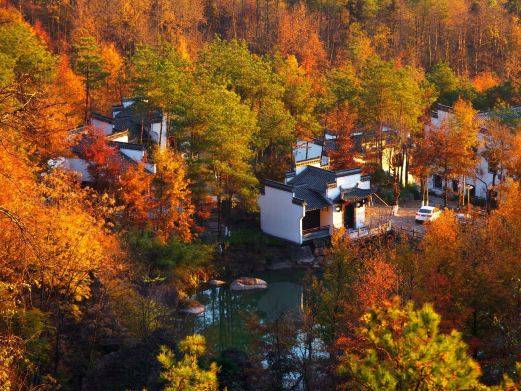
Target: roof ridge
(319,169)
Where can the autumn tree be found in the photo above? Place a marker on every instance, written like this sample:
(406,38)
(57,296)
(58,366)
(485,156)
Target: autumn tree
(340,122)
(514,157)
(172,209)
(115,86)
(63,244)
(134,193)
(470,279)
(340,115)
(356,279)
(298,36)
(300,96)
(35,89)
(401,348)
(421,162)
(103,160)
(497,144)
(455,144)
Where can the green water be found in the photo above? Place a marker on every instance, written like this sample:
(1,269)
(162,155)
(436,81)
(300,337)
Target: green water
(224,322)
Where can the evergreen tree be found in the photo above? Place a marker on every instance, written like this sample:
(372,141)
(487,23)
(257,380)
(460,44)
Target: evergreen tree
(400,348)
(186,374)
(90,64)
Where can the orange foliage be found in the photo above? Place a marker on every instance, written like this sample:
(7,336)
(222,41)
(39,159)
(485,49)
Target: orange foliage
(298,35)
(172,209)
(134,193)
(378,283)
(485,80)
(340,121)
(514,159)
(115,87)
(105,164)
(49,118)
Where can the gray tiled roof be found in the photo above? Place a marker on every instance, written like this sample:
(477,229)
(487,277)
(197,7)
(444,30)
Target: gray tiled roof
(355,194)
(313,199)
(313,178)
(132,117)
(311,184)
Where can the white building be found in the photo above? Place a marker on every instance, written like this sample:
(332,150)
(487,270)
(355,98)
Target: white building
(481,179)
(142,125)
(314,202)
(128,130)
(309,153)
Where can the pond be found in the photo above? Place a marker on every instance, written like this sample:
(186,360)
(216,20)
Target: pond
(224,322)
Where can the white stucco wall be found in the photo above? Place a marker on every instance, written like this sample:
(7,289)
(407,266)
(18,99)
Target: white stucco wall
(338,219)
(480,187)
(306,150)
(128,103)
(360,217)
(364,185)
(279,216)
(152,168)
(299,167)
(158,130)
(325,216)
(346,182)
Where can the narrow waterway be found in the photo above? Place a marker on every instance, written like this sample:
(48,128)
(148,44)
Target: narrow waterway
(224,322)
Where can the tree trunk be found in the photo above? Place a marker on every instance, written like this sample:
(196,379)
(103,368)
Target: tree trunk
(219,205)
(445,190)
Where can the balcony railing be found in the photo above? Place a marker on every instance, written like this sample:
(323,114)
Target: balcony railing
(370,230)
(353,233)
(315,232)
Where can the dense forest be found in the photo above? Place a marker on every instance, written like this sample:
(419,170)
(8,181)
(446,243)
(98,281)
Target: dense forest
(91,277)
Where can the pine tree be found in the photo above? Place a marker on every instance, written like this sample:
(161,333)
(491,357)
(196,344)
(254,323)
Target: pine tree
(186,374)
(400,348)
(90,64)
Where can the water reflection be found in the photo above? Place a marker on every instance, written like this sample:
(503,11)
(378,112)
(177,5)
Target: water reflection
(224,322)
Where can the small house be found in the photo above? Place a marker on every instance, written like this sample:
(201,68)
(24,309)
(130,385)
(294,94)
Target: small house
(313,202)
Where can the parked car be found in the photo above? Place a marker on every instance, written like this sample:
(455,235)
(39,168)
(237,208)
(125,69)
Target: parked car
(427,213)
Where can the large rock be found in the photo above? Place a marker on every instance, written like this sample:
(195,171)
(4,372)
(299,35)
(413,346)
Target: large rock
(248,283)
(303,256)
(216,282)
(192,307)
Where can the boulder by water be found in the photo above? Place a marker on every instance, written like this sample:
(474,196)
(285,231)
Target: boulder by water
(248,283)
(303,256)
(192,307)
(216,282)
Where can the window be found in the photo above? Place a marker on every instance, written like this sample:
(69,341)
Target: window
(438,182)
(455,186)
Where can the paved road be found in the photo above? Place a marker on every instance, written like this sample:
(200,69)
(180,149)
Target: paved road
(407,211)
(405,218)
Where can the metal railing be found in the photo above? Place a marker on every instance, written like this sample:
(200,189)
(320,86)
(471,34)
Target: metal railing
(370,230)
